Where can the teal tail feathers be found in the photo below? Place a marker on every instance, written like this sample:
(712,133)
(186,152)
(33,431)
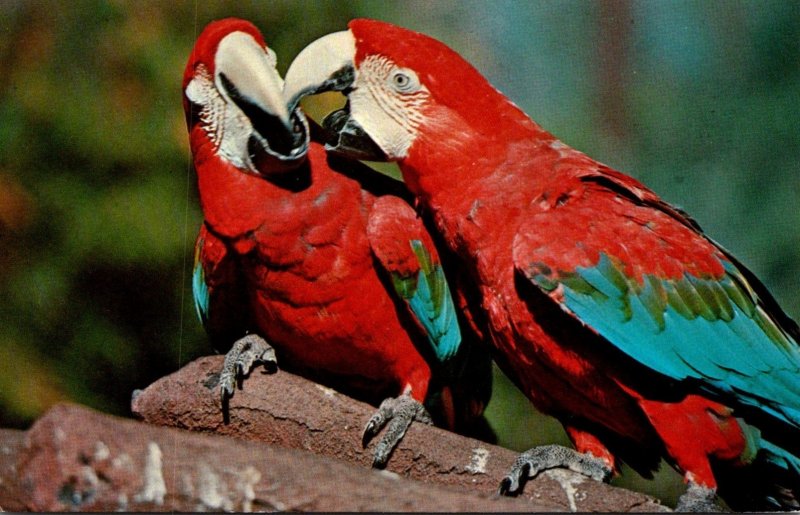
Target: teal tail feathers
(770,479)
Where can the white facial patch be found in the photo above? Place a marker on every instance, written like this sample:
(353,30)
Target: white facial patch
(226,125)
(387,108)
(245,66)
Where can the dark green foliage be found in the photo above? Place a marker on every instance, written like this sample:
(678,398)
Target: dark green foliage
(99,206)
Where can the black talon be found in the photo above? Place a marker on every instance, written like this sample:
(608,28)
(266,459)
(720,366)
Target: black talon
(505,485)
(369,431)
(270,366)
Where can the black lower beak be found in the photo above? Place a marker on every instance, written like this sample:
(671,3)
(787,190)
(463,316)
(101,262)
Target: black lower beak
(348,139)
(273,147)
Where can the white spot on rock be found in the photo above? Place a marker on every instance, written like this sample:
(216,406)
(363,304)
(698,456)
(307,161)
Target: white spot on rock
(185,487)
(154,488)
(389,474)
(568,481)
(480,458)
(101,451)
(329,392)
(208,490)
(122,461)
(248,478)
(122,502)
(90,476)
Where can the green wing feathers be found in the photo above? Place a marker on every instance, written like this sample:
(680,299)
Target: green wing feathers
(432,304)
(405,251)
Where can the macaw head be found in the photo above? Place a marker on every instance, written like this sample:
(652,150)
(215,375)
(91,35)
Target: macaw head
(407,93)
(232,94)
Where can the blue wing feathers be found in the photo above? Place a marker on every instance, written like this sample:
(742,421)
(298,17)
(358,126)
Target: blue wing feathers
(417,278)
(433,305)
(653,298)
(780,457)
(200,292)
(706,329)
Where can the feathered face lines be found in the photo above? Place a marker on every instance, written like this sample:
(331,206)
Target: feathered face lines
(235,95)
(387,101)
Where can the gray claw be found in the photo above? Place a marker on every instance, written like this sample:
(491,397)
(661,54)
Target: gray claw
(531,462)
(698,498)
(398,413)
(240,360)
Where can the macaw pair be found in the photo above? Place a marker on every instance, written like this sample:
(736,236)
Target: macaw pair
(608,307)
(310,261)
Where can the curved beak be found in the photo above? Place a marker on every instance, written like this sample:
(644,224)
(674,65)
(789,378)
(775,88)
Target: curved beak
(328,64)
(347,138)
(246,75)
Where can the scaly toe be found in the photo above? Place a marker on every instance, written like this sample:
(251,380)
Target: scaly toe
(240,360)
(396,414)
(698,499)
(533,461)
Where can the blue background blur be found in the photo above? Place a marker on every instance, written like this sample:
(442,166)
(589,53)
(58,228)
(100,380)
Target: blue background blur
(98,205)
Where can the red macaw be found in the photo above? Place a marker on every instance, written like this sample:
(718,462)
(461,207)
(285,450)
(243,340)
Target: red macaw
(608,307)
(339,276)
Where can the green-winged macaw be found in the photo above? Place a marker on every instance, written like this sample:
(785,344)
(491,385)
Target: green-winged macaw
(340,276)
(607,306)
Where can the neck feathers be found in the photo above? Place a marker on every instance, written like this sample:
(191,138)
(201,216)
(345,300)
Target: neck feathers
(457,151)
(234,201)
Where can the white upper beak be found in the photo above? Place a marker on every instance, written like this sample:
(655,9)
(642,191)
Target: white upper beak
(325,64)
(247,66)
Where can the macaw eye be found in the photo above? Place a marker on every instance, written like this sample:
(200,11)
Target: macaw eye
(404,81)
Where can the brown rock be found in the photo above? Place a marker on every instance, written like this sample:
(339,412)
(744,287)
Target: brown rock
(287,410)
(10,444)
(76,459)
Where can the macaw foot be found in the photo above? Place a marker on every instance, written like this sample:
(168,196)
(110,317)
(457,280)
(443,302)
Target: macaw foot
(240,360)
(398,412)
(538,459)
(698,498)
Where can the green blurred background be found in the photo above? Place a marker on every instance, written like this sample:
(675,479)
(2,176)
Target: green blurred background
(98,204)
